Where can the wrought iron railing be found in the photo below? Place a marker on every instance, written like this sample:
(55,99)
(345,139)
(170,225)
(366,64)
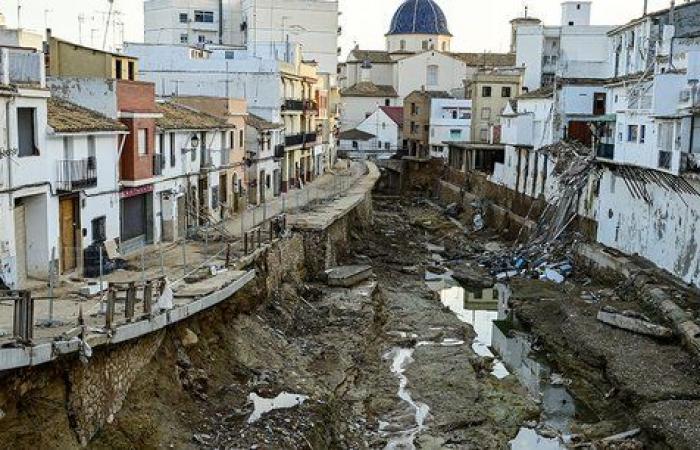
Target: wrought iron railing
(293,105)
(294,139)
(77,174)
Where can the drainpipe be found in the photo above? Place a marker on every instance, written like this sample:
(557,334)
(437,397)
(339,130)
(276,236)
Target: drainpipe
(221,22)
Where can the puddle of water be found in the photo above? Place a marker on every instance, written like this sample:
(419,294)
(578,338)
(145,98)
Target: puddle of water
(528,439)
(265,405)
(401,357)
(488,312)
(480,319)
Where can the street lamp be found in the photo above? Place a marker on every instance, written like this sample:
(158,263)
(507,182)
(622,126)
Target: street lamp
(194,141)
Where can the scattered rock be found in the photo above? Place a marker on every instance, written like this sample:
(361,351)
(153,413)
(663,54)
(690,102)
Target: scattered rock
(347,276)
(189,338)
(471,278)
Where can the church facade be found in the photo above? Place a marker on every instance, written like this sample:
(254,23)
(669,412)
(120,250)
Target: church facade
(417,56)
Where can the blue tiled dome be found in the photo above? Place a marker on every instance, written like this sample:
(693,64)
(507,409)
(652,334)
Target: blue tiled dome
(419,17)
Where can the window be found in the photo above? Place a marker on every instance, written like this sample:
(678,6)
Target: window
(99,229)
(632,133)
(184,18)
(455,134)
(26,132)
(571,24)
(387,102)
(379,144)
(599,103)
(230,54)
(486,91)
(204,16)
(240,138)
(485,113)
(354,144)
(387,145)
(202,39)
(484,135)
(455,114)
(402,45)
(142,142)
(444,46)
(173,159)
(184,39)
(118,69)
(414,109)
(223,140)
(432,76)
(132,70)
(425,45)
(642,133)
(506,92)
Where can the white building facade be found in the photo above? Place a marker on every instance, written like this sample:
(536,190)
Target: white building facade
(450,121)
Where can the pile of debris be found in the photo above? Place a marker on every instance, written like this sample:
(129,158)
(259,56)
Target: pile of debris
(544,262)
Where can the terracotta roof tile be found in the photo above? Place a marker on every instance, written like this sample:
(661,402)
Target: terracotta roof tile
(369,89)
(66,117)
(261,124)
(180,117)
(486,59)
(395,113)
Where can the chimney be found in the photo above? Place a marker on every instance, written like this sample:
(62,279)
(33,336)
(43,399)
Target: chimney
(646,7)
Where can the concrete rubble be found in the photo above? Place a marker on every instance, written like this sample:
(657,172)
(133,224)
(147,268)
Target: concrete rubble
(347,276)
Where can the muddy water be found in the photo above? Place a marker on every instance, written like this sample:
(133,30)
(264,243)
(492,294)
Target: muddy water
(488,313)
(401,357)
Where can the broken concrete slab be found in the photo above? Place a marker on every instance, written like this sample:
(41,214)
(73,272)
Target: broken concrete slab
(470,278)
(347,276)
(633,324)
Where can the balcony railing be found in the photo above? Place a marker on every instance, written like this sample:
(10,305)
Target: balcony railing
(293,105)
(310,138)
(226,156)
(158,164)
(279,151)
(664,159)
(606,151)
(294,139)
(310,106)
(77,174)
(205,158)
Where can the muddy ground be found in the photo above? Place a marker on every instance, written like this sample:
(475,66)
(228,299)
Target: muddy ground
(337,347)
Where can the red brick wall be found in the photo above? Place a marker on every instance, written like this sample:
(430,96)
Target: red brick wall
(136,96)
(134,166)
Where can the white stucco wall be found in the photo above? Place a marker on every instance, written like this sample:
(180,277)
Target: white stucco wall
(354,110)
(413,73)
(666,232)
(383,127)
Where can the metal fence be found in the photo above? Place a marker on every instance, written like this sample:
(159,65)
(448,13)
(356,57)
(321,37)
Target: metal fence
(119,285)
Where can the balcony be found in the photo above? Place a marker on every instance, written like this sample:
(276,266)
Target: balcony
(77,174)
(605,151)
(158,164)
(293,140)
(310,138)
(293,105)
(226,156)
(279,151)
(310,107)
(205,158)
(665,158)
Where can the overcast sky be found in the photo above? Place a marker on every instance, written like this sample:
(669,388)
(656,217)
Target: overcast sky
(477,25)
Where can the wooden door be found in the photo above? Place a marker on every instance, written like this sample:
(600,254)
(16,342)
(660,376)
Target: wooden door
(68,226)
(21,246)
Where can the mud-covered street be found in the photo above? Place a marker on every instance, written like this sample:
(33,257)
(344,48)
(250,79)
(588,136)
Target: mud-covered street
(410,358)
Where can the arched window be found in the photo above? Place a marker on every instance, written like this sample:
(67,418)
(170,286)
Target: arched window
(402,44)
(432,75)
(444,47)
(425,45)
